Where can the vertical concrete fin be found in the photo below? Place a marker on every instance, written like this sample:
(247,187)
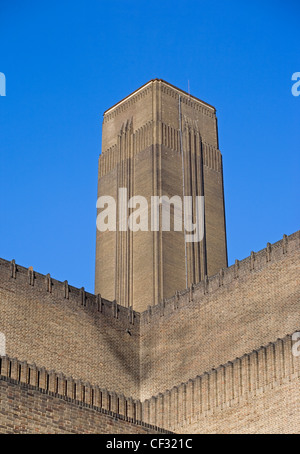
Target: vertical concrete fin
(13,269)
(30,274)
(66,290)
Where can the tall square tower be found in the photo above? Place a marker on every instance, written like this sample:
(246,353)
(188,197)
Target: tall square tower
(159,141)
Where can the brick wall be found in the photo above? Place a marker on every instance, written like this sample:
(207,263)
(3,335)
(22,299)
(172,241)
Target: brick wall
(227,316)
(60,327)
(26,408)
(274,411)
(232,313)
(257,393)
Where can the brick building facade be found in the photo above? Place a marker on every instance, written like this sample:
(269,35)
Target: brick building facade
(147,354)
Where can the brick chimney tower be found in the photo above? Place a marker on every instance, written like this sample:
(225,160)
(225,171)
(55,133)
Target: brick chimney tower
(159,141)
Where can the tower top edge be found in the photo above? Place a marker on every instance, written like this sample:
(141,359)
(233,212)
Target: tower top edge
(179,90)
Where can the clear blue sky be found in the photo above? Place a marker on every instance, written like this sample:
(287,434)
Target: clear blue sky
(66,62)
